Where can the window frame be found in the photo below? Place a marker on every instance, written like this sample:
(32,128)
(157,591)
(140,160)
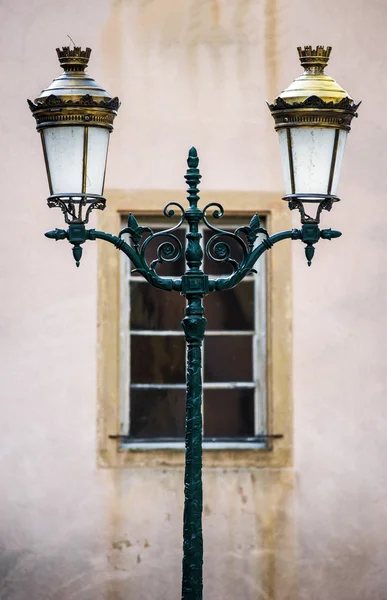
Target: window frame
(258,354)
(238,206)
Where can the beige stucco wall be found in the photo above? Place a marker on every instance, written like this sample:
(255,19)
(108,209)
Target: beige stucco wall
(192,72)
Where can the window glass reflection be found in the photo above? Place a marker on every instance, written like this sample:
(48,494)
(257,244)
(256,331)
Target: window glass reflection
(157,413)
(232,309)
(151,308)
(228,358)
(157,359)
(229,413)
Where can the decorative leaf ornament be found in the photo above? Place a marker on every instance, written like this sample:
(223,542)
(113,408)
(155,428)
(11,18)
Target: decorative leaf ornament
(252,230)
(134,230)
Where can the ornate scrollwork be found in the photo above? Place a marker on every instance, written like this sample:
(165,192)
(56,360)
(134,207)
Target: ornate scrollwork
(218,249)
(135,231)
(314,110)
(72,206)
(252,230)
(315,102)
(168,251)
(325,203)
(53,101)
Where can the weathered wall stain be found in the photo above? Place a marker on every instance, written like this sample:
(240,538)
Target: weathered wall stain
(113,46)
(206,44)
(195,23)
(270,46)
(215,11)
(120,544)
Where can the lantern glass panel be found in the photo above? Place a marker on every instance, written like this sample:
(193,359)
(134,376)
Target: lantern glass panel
(98,139)
(312,149)
(64,150)
(312,152)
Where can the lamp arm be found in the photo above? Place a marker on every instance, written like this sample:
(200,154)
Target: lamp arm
(77,235)
(246,266)
(137,260)
(309,234)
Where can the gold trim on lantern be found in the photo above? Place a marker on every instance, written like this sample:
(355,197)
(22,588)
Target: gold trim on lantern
(74,98)
(314,99)
(53,111)
(312,117)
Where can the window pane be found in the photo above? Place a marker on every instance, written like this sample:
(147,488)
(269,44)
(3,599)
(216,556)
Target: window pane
(228,358)
(212,267)
(228,413)
(152,308)
(160,359)
(171,269)
(157,413)
(231,310)
(157,359)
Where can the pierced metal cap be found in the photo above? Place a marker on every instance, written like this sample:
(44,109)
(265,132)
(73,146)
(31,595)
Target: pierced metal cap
(314,57)
(73,59)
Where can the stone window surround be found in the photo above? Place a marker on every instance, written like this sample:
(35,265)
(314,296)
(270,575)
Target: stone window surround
(279,331)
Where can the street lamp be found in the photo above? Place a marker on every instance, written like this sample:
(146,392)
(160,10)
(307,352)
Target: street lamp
(75,116)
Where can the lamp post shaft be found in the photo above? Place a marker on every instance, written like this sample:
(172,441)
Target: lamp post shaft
(194,325)
(194,287)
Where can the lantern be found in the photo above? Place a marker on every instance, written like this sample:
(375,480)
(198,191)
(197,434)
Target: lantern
(74,116)
(312,117)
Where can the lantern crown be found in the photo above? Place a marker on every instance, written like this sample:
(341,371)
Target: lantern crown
(73,59)
(314,98)
(314,57)
(314,81)
(74,96)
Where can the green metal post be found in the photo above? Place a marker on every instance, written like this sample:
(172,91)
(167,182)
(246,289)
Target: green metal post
(194,287)
(194,325)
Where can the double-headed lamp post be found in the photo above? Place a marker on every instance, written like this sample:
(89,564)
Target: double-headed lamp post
(74,117)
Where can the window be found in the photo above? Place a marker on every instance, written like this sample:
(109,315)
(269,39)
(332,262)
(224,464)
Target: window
(272,405)
(153,355)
